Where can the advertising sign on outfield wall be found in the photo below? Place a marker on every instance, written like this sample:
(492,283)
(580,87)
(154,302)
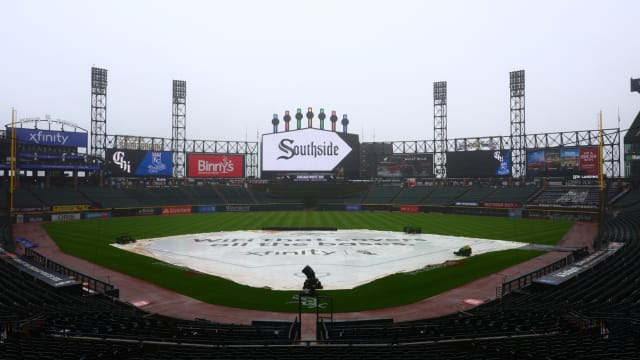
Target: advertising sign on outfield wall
(176,210)
(215,166)
(65,217)
(409,208)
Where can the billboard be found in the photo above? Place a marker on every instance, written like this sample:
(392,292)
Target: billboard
(139,163)
(480,163)
(564,161)
(215,166)
(311,150)
(405,166)
(50,137)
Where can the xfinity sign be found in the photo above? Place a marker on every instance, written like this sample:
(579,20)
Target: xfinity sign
(50,137)
(303,150)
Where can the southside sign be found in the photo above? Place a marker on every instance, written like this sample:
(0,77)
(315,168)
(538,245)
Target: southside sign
(303,150)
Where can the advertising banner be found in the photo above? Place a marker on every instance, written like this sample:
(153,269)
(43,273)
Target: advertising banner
(65,217)
(589,160)
(480,163)
(494,204)
(303,150)
(37,218)
(50,137)
(69,208)
(569,162)
(353,207)
(237,208)
(409,209)
(205,209)
(148,211)
(123,163)
(96,215)
(405,166)
(176,210)
(215,166)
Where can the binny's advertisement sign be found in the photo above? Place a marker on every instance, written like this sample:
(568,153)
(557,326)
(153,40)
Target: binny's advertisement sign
(303,150)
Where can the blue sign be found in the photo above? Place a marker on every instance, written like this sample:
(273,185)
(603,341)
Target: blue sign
(505,163)
(50,137)
(139,163)
(156,163)
(97,215)
(205,209)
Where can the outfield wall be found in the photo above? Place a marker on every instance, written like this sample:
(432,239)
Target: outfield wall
(508,210)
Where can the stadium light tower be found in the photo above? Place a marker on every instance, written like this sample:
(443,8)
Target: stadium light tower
(179,127)
(98,112)
(517,136)
(440,128)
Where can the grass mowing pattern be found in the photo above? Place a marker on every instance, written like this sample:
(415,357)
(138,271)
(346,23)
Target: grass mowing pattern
(90,239)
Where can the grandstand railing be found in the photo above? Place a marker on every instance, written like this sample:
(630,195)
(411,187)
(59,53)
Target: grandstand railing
(90,283)
(525,280)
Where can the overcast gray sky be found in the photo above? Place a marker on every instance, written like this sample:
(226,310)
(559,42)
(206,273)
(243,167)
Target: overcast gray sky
(373,60)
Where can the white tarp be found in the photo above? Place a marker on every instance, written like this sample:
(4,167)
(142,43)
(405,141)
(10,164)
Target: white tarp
(341,259)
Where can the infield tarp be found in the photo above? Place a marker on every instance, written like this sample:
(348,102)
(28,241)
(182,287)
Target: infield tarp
(341,259)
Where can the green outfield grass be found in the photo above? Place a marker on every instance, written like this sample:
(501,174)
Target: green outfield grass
(91,239)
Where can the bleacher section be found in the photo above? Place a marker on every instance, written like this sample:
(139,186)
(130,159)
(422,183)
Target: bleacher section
(60,196)
(590,315)
(381,195)
(475,194)
(235,195)
(511,194)
(26,201)
(413,195)
(444,196)
(561,197)
(593,316)
(109,198)
(23,298)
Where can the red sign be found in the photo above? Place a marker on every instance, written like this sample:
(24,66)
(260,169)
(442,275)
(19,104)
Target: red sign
(589,160)
(215,166)
(409,208)
(176,210)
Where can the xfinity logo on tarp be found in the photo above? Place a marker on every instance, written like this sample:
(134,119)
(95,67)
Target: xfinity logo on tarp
(303,150)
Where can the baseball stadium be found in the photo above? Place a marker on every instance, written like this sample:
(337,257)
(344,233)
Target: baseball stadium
(312,243)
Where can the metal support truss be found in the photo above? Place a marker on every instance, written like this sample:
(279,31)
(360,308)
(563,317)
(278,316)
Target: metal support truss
(98,111)
(440,128)
(179,127)
(517,137)
(611,145)
(247,148)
